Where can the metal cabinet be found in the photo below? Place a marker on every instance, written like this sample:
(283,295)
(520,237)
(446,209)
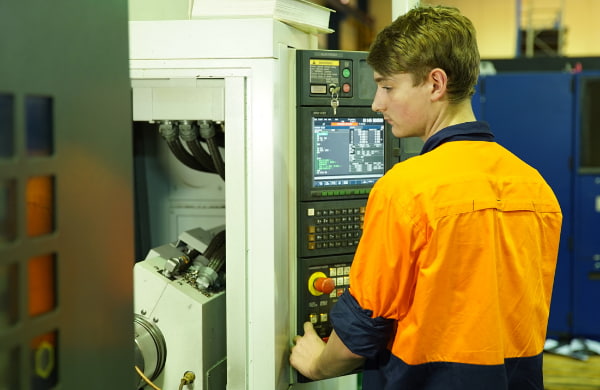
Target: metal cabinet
(586,211)
(531,114)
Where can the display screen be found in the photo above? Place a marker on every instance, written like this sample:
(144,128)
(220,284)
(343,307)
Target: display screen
(347,151)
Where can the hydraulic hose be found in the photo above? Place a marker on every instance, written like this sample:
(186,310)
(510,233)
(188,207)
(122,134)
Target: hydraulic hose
(217,242)
(208,132)
(218,259)
(188,131)
(168,130)
(215,252)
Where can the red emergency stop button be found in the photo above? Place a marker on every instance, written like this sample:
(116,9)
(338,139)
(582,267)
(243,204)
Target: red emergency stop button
(319,284)
(324,285)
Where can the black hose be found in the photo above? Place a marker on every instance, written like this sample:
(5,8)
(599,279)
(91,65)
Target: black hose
(217,159)
(215,252)
(208,132)
(189,134)
(170,133)
(218,259)
(217,242)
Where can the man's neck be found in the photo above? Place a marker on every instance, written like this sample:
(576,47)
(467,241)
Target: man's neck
(449,115)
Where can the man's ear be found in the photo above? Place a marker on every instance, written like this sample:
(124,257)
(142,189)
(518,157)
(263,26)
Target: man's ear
(439,82)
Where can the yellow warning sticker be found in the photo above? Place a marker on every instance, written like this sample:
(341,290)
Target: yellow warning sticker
(325,62)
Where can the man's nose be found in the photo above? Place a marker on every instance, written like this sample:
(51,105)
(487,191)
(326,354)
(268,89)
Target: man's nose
(377,104)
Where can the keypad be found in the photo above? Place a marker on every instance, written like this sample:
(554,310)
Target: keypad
(334,228)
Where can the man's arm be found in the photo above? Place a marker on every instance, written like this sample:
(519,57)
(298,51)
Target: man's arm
(317,360)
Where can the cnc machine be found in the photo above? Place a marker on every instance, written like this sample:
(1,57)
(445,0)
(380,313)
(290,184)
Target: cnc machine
(301,151)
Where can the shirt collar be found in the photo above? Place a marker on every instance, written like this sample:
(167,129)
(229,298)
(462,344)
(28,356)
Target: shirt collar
(468,131)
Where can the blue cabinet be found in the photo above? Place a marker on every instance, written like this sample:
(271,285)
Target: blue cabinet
(586,289)
(551,120)
(532,116)
(586,216)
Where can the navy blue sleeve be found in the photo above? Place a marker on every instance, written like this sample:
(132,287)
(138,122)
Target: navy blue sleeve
(363,335)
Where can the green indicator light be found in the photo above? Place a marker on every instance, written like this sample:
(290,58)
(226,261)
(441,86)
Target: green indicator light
(346,72)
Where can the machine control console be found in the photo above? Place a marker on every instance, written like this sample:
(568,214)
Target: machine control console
(321,281)
(342,148)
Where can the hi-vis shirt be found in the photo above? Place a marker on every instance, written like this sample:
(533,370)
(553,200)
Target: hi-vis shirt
(451,282)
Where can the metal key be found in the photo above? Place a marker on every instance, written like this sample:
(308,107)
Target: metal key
(334,104)
(333,90)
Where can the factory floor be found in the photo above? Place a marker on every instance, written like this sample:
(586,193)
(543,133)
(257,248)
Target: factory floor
(565,373)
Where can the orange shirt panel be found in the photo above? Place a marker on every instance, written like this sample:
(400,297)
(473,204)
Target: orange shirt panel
(459,246)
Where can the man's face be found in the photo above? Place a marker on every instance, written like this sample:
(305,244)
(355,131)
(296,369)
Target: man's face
(403,105)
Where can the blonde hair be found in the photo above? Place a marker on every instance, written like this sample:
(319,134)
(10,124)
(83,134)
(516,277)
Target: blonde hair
(426,38)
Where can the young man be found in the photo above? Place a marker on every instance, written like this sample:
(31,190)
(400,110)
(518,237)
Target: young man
(451,282)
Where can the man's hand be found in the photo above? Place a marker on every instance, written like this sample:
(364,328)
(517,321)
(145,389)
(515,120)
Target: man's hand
(316,360)
(306,352)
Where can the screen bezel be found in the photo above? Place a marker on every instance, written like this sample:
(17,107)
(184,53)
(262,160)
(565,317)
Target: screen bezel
(307,190)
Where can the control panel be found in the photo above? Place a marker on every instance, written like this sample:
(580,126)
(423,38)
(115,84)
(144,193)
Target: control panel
(323,73)
(343,148)
(325,279)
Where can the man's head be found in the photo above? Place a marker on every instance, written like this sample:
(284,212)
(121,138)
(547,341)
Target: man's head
(426,38)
